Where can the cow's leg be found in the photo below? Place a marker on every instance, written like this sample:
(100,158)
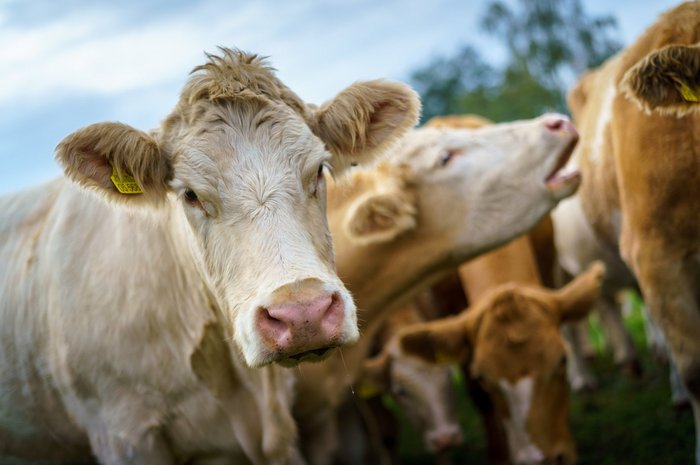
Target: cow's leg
(666,281)
(656,343)
(113,448)
(618,338)
(578,370)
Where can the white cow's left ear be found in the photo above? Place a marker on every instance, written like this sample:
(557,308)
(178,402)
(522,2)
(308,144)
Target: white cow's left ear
(120,162)
(364,120)
(380,217)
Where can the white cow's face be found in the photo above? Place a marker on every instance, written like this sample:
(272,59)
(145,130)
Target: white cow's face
(238,167)
(484,186)
(253,194)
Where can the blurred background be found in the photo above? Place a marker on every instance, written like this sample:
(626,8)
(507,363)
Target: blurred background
(65,64)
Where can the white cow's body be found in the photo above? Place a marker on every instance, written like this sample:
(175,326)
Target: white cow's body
(142,329)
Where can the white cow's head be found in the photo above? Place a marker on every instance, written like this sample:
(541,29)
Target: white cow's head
(237,168)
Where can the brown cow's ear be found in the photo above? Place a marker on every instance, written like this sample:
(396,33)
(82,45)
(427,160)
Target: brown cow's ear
(576,299)
(446,340)
(667,80)
(365,119)
(120,162)
(380,217)
(374,379)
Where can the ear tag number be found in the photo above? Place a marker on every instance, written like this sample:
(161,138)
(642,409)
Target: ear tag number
(125,184)
(690,95)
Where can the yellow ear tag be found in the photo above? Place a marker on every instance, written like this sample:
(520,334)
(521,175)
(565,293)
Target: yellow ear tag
(444,357)
(366,389)
(125,184)
(690,95)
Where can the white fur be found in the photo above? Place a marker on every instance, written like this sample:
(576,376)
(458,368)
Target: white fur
(598,144)
(519,398)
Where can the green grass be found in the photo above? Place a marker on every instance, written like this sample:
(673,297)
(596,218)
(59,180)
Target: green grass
(625,422)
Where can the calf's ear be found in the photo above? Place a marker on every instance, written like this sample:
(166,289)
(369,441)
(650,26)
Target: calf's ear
(364,120)
(446,340)
(667,80)
(374,379)
(120,162)
(380,217)
(575,300)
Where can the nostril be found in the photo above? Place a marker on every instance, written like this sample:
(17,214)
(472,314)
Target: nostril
(276,325)
(555,124)
(559,459)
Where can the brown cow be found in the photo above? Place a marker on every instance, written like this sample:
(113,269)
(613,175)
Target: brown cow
(510,342)
(138,295)
(641,166)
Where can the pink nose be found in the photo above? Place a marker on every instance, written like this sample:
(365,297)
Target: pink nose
(445,440)
(560,123)
(304,323)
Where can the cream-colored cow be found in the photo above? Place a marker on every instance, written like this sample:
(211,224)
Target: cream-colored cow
(131,325)
(440,198)
(641,167)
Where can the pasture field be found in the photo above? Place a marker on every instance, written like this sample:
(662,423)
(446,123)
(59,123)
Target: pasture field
(626,422)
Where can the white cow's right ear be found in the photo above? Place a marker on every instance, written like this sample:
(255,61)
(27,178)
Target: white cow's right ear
(364,120)
(122,163)
(380,217)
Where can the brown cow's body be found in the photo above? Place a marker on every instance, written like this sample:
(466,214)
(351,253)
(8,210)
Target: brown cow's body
(641,189)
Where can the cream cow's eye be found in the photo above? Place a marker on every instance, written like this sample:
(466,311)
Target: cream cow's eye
(446,157)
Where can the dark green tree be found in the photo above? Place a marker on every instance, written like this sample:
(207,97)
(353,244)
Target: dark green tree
(548,43)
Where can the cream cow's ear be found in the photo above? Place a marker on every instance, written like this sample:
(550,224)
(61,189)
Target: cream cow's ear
(380,217)
(120,162)
(364,120)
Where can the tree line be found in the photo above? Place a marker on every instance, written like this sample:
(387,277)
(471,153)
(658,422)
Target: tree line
(548,44)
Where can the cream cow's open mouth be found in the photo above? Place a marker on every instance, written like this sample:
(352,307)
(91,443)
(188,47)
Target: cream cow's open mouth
(559,178)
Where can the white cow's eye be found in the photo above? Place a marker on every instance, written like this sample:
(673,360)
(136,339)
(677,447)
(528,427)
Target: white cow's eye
(320,179)
(192,198)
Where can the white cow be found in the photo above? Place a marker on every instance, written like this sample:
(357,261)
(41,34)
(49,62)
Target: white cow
(131,325)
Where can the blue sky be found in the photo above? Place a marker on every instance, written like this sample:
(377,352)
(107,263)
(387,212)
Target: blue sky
(68,63)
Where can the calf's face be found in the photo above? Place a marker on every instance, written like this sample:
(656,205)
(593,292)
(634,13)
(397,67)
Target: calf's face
(423,391)
(237,170)
(515,351)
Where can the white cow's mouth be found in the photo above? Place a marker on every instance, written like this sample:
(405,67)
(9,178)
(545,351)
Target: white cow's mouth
(315,355)
(560,181)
